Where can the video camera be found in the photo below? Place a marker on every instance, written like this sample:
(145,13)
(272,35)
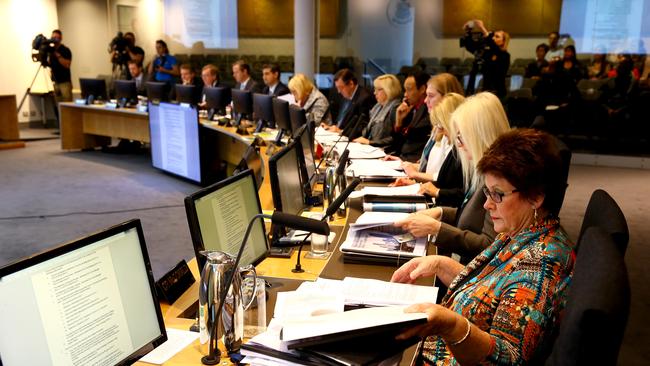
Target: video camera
(119,44)
(41,48)
(473,42)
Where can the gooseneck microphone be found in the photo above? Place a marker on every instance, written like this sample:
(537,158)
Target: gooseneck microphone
(292,221)
(331,209)
(343,160)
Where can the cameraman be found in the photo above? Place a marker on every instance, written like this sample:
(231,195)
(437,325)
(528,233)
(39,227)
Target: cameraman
(59,59)
(495,57)
(123,50)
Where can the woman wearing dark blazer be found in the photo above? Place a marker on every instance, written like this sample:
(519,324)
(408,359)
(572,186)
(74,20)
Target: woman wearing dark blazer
(378,131)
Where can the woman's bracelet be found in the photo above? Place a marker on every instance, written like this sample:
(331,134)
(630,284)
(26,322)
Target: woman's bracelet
(469,330)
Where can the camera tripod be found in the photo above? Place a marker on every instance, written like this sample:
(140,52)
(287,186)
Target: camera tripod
(28,92)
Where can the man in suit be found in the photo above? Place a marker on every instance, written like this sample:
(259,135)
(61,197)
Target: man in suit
(241,71)
(188,77)
(271,76)
(137,74)
(210,77)
(412,127)
(352,102)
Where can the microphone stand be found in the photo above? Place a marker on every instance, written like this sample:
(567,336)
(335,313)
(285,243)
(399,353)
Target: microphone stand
(214,357)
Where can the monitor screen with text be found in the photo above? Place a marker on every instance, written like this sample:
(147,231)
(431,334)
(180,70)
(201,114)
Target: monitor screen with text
(218,216)
(174,133)
(87,302)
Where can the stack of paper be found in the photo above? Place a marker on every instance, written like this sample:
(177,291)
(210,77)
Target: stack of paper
(374,238)
(360,151)
(372,169)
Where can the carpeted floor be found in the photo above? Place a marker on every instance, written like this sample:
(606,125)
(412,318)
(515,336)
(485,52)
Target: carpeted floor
(94,190)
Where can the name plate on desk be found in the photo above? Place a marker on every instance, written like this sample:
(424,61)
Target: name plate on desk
(142,108)
(80,101)
(111,105)
(172,285)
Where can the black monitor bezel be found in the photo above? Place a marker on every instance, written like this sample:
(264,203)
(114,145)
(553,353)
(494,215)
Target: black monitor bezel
(263,108)
(298,118)
(193,219)
(90,83)
(273,174)
(307,182)
(240,99)
(220,95)
(281,115)
(126,85)
(151,86)
(73,245)
(191,91)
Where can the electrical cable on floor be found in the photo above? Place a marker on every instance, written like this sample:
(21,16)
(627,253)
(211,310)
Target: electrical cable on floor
(88,213)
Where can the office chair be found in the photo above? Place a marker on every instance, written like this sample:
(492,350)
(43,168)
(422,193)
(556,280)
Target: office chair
(598,305)
(604,212)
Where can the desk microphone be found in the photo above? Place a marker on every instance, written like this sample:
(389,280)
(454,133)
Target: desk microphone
(330,151)
(343,160)
(292,221)
(331,209)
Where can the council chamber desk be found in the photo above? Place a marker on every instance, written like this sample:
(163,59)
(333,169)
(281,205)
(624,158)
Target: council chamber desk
(278,273)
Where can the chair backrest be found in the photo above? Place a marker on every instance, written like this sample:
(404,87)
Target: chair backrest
(604,212)
(565,155)
(598,305)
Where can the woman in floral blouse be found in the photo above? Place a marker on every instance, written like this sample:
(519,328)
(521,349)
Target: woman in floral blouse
(503,306)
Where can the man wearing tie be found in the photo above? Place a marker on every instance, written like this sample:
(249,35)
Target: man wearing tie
(137,75)
(241,71)
(271,76)
(353,101)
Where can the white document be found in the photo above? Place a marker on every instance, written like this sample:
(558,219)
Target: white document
(177,340)
(371,168)
(308,302)
(314,326)
(381,293)
(360,151)
(410,190)
(372,219)
(289,98)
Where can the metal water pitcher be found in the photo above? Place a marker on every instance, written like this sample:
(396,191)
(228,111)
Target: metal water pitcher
(230,324)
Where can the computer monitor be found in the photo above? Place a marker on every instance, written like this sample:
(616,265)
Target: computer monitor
(477,81)
(263,110)
(286,186)
(305,137)
(516,81)
(242,103)
(216,99)
(281,115)
(89,301)
(324,81)
(189,94)
(93,90)
(157,91)
(174,135)
(298,118)
(126,92)
(219,214)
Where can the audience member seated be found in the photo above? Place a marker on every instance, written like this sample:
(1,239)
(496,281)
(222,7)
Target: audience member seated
(624,58)
(555,88)
(555,51)
(571,65)
(137,74)
(351,101)
(310,99)
(503,307)
(412,127)
(534,69)
(468,229)
(210,78)
(273,85)
(378,132)
(164,67)
(241,72)
(444,180)
(619,91)
(599,67)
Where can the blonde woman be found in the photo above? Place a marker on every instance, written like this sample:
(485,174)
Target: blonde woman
(468,229)
(309,98)
(378,131)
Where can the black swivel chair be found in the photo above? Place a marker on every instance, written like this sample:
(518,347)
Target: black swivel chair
(604,212)
(598,305)
(565,155)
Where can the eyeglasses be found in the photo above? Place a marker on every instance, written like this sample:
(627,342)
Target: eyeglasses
(496,196)
(459,140)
